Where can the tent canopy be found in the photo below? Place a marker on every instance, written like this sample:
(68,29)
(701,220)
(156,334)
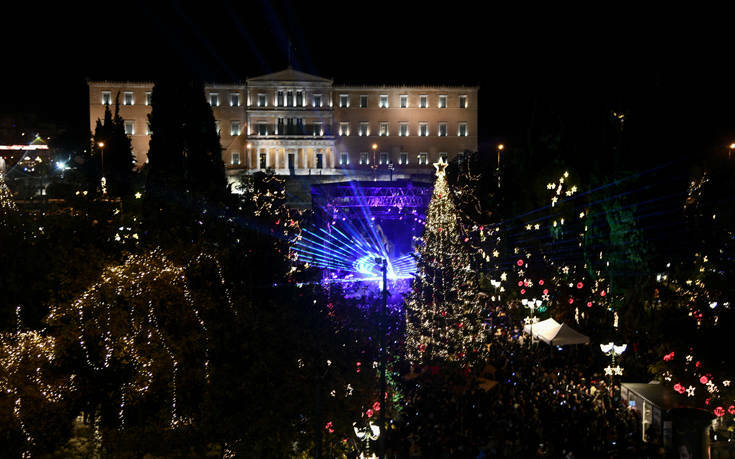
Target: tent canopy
(552,332)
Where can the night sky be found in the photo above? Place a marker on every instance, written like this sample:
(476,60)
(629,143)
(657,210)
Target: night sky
(670,71)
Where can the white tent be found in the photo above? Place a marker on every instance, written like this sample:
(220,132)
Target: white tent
(552,332)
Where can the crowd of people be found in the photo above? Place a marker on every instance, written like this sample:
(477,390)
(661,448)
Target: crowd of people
(527,401)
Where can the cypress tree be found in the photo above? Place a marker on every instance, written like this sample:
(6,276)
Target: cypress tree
(115,160)
(186,170)
(119,161)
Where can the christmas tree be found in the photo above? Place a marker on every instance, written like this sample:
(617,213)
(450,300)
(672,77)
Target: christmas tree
(7,205)
(443,316)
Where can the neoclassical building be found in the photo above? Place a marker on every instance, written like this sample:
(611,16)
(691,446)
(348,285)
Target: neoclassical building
(300,124)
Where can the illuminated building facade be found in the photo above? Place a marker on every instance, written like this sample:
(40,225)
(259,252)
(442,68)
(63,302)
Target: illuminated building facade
(295,123)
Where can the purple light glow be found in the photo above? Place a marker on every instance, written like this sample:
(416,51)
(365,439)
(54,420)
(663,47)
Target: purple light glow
(371,226)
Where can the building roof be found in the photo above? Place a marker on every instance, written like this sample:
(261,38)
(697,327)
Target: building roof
(290,75)
(658,395)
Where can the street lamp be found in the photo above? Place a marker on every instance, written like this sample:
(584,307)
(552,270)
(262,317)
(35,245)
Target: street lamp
(383,263)
(612,350)
(375,163)
(729,153)
(500,148)
(371,432)
(103,180)
(531,304)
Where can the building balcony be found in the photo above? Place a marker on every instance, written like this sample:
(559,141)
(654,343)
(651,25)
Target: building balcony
(295,131)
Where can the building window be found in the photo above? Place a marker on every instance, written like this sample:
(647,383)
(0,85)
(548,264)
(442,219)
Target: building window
(423,129)
(443,155)
(442,101)
(262,129)
(344,159)
(318,129)
(148,96)
(443,129)
(147,129)
(234,128)
(344,101)
(216,126)
(289,98)
(404,101)
(462,101)
(263,160)
(403,159)
(214,99)
(423,159)
(299,98)
(363,101)
(364,128)
(262,100)
(462,130)
(235,159)
(383,129)
(234,99)
(128,98)
(423,101)
(403,129)
(106,98)
(383,158)
(364,159)
(319,161)
(279,99)
(317,100)
(129,127)
(383,101)
(344,128)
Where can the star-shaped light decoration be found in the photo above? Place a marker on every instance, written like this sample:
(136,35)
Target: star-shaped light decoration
(440,166)
(503,276)
(565,269)
(528,227)
(537,226)
(689,358)
(521,273)
(608,371)
(545,297)
(618,371)
(711,387)
(726,383)
(690,391)
(496,254)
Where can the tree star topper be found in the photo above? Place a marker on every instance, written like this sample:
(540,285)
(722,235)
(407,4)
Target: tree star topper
(440,166)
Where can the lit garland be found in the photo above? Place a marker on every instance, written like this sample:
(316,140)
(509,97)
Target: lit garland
(26,358)
(119,324)
(444,320)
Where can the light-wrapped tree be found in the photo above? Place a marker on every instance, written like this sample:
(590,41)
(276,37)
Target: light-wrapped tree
(444,320)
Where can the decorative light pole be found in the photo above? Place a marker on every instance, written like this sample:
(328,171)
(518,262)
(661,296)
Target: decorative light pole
(612,370)
(531,304)
(368,433)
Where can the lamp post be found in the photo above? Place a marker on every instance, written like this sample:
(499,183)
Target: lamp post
(103,180)
(500,148)
(368,433)
(383,263)
(612,370)
(375,163)
(531,304)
